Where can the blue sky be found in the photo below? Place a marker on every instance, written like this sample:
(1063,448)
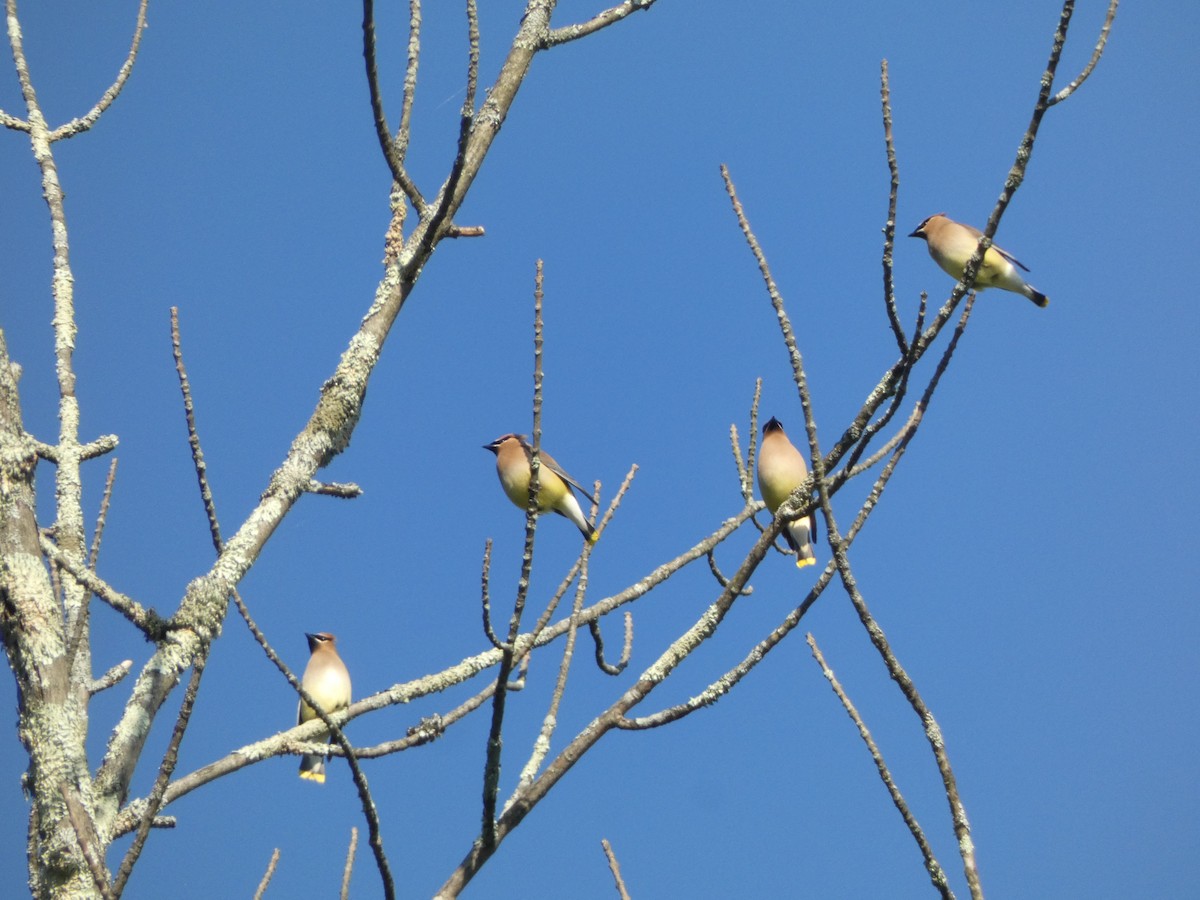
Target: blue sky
(1033,561)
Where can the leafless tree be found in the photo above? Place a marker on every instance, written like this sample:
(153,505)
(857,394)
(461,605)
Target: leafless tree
(47,571)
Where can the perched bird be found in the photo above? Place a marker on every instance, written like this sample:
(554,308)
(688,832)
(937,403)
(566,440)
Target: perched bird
(327,682)
(781,469)
(951,244)
(513,454)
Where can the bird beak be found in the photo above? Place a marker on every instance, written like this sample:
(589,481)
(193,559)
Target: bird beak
(917,233)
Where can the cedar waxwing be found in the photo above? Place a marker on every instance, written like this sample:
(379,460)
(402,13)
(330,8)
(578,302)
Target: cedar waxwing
(781,469)
(326,681)
(952,244)
(513,454)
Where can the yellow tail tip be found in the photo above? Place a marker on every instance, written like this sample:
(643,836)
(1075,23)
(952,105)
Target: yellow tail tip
(318,777)
(801,563)
(593,537)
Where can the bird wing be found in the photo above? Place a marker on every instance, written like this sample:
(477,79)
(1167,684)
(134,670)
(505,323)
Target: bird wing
(562,473)
(552,464)
(1012,259)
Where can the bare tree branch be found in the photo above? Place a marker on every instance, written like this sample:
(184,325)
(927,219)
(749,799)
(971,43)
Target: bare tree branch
(404,693)
(541,745)
(931,864)
(491,769)
(601,20)
(85,834)
(394,151)
(331,723)
(267,875)
(54,671)
(111,677)
(626,647)
(889,228)
(468,107)
(360,779)
(324,437)
(615,868)
(102,517)
(9,121)
(147,620)
(933,733)
(79,126)
(348,869)
(1096,54)
(488,631)
(170,759)
(341,490)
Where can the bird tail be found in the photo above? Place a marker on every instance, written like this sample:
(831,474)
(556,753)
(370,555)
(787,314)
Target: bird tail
(1037,296)
(312,768)
(799,535)
(591,533)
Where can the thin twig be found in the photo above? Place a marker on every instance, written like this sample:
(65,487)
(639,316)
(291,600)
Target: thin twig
(360,779)
(962,828)
(79,126)
(147,620)
(541,745)
(1096,54)
(835,540)
(488,631)
(746,469)
(658,671)
(876,426)
(106,443)
(102,516)
(189,412)
(11,121)
(889,228)
(801,494)
(491,769)
(752,444)
(626,647)
(93,556)
(348,869)
(717,574)
(723,685)
(468,107)
(267,875)
(936,874)
(616,13)
(615,868)
(391,150)
(404,693)
(409,97)
(111,677)
(342,490)
(1016,175)
(585,552)
(81,824)
(165,769)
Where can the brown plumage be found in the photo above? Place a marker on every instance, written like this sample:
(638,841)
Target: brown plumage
(513,455)
(782,469)
(328,682)
(952,244)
